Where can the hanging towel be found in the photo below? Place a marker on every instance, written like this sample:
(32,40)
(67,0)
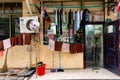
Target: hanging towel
(1,53)
(12,40)
(27,40)
(51,36)
(6,43)
(58,46)
(1,45)
(65,47)
(16,40)
(19,39)
(52,44)
(72,48)
(79,48)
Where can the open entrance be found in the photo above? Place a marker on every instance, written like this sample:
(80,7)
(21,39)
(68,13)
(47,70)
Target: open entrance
(93,45)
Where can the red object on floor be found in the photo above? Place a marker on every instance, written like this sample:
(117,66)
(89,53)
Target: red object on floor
(41,70)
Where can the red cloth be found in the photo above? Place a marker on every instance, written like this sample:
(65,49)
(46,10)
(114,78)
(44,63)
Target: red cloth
(79,48)
(51,36)
(27,39)
(13,41)
(19,39)
(1,45)
(58,46)
(73,48)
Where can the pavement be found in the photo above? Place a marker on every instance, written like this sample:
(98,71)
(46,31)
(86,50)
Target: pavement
(88,73)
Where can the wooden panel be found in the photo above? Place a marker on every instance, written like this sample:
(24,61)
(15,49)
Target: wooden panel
(73,4)
(97,5)
(94,3)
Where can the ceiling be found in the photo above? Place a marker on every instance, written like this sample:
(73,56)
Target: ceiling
(11,1)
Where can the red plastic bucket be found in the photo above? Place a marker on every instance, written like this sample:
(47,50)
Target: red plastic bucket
(41,70)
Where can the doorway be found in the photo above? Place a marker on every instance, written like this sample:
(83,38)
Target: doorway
(93,45)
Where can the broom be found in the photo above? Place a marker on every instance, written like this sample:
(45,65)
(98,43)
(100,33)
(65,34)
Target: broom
(60,68)
(53,69)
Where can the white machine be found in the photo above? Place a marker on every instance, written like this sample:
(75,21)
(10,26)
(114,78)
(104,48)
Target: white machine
(29,24)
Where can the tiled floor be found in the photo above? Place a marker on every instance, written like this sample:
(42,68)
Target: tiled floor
(88,73)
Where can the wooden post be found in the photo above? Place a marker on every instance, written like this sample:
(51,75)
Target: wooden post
(82,4)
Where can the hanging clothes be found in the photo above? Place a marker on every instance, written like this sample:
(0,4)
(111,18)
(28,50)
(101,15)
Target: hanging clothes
(69,19)
(57,22)
(51,45)
(1,45)
(71,25)
(58,46)
(65,47)
(79,47)
(47,21)
(64,27)
(81,14)
(67,13)
(56,17)
(86,15)
(74,29)
(13,42)
(60,23)
(72,48)
(27,39)
(77,20)
(19,40)
(6,43)
(16,40)
(64,17)
(51,36)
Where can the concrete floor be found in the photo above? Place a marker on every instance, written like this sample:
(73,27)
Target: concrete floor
(88,73)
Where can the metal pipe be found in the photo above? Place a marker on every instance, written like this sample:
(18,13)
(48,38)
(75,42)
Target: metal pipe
(70,6)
